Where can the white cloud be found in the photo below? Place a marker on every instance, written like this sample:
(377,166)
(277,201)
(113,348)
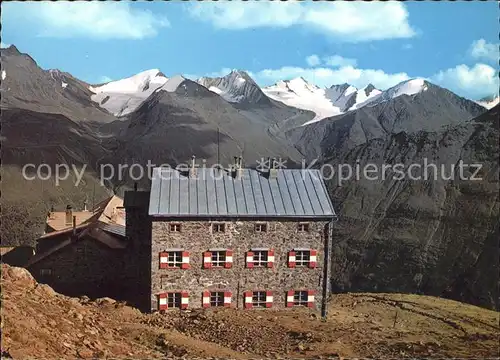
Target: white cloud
(475,82)
(91,19)
(4,45)
(480,49)
(313,60)
(347,21)
(407,47)
(337,60)
(472,82)
(323,76)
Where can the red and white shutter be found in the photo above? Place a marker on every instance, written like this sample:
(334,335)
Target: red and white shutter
(313,255)
(249,259)
(206,299)
(269,299)
(163,260)
(229,259)
(248,299)
(290,298)
(185,260)
(270,258)
(227,298)
(310,298)
(184,299)
(291,259)
(162,301)
(207,260)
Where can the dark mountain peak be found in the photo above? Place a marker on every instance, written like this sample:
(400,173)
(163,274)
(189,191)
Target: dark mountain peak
(369,88)
(341,87)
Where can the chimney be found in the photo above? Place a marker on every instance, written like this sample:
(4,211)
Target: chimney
(239,170)
(135,186)
(192,169)
(69,215)
(273,172)
(85,206)
(74,225)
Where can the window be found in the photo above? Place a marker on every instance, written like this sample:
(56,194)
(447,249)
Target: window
(175,227)
(303,227)
(258,299)
(176,259)
(260,258)
(302,258)
(300,298)
(218,259)
(218,228)
(261,227)
(45,272)
(172,300)
(217,298)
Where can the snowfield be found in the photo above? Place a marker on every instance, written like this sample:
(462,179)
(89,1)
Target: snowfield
(123,96)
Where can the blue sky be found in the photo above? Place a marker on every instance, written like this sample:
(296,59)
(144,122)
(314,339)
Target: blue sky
(453,44)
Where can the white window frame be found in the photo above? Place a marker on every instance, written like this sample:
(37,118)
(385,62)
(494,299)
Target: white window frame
(217,298)
(302,257)
(218,259)
(218,227)
(175,227)
(303,227)
(260,257)
(261,227)
(174,300)
(299,296)
(259,299)
(177,258)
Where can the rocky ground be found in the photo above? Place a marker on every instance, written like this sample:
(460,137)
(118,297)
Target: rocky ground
(39,323)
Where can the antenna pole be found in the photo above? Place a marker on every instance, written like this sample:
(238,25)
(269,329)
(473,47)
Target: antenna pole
(218,147)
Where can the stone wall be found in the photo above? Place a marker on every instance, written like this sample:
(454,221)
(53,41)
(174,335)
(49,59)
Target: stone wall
(239,236)
(85,267)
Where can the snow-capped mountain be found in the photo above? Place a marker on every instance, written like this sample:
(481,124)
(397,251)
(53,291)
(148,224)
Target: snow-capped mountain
(123,96)
(303,95)
(236,87)
(325,103)
(489,102)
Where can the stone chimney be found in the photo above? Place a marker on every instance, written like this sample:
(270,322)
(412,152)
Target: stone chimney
(69,215)
(192,168)
(85,206)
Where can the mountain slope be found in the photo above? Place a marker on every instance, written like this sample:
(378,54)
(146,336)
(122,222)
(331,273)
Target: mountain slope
(45,142)
(25,85)
(183,118)
(123,96)
(428,107)
(236,87)
(431,236)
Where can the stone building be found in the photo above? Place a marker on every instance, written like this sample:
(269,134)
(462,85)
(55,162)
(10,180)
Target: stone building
(85,252)
(231,238)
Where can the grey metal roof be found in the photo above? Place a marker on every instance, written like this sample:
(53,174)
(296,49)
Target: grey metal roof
(216,193)
(113,228)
